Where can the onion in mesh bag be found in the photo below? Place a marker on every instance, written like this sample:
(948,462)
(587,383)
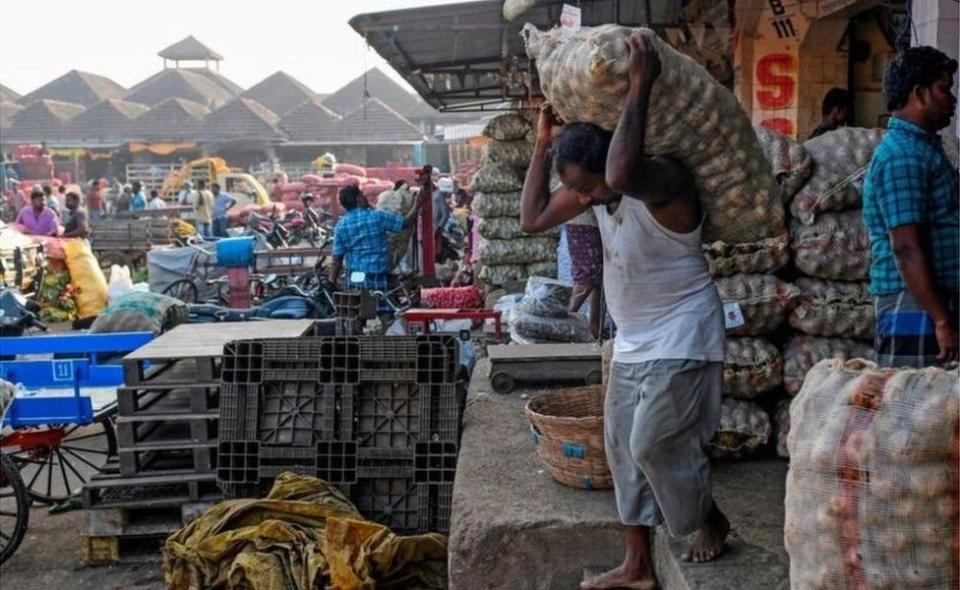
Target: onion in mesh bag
(781,427)
(546,298)
(840,159)
(791,163)
(803,352)
(506,228)
(496,178)
(871,497)
(526,328)
(752,367)
(496,204)
(507,127)
(517,251)
(546,269)
(832,308)
(835,246)
(754,257)
(764,301)
(744,428)
(697,121)
(515,154)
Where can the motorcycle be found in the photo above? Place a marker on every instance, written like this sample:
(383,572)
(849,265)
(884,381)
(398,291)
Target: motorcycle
(18,314)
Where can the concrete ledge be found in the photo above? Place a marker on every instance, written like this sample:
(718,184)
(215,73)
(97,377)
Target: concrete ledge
(514,527)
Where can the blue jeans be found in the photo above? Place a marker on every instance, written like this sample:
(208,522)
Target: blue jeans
(204,230)
(220,225)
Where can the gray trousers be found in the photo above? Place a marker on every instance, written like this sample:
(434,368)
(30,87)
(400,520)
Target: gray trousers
(658,418)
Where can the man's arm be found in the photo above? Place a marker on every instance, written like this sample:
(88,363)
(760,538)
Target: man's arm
(917,273)
(335,269)
(539,210)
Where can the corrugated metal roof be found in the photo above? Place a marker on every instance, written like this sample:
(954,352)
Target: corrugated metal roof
(465,56)
(189,48)
(76,87)
(173,119)
(280,92)
(43,120)
(179,83)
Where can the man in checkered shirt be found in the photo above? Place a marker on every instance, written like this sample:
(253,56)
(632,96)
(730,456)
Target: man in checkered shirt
(910,207)
(360,238)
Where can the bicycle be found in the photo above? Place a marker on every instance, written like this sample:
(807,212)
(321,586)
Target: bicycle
(198,277)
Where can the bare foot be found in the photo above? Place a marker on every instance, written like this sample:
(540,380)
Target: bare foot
(620,577)
(707,543)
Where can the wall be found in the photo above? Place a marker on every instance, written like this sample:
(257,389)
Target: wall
(822,67)
(937,23)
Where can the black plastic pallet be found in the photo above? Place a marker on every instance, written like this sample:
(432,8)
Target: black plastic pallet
(400,415)
(286,412)
(404,505)
(163,457)
(185,371)
(140,429)
(168,399)
(355,305)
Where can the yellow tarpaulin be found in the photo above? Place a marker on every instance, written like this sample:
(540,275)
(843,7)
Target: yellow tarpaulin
(68,152)
(305,535)
(161,149)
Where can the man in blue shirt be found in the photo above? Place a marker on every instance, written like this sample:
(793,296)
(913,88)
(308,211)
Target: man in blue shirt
(222,203)
(910,208)
(360,238)
(139,202)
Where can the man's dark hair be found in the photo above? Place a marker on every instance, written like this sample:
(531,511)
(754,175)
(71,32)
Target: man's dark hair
(349,197)
(62,189)
(154,193)
(916,66)
(73,195)
(47,190)
(215,187)
(582,144)
(201,184)
(136,186)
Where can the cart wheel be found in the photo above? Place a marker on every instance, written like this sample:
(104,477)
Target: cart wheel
(502,383)
(183,289)
(14,508)
(594,377)
(56,461)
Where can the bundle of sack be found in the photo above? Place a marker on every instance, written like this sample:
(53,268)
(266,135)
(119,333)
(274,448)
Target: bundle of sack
(542,317)
(503,253)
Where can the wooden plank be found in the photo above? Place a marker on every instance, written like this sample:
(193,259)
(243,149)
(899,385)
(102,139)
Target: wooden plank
(207,340)
(538,352)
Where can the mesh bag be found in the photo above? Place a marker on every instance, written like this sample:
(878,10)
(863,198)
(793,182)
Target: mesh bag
(832,308)
(526,328)
(871,498)
(764,301)
(507,127)
(744,428)
(546,298)
(517,251)
(789,160)
(496,178)
(803,352)
(496,204)
(781,427)
(836,246)
(752,367)
(500,274)
(506,228)
(514,154)
(840,160)
(698,121)
(727,259)
(399,202)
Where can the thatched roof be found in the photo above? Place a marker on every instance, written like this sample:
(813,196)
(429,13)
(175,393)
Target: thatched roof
(309,122)
(177,83)
(242,118)
(374,122)
(8,95)
(173,119)
(109,119)
(76,87)
(43,120)
(280,92)
(188,49)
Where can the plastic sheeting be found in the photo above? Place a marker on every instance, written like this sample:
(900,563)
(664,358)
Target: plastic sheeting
(305,535)
(166,265)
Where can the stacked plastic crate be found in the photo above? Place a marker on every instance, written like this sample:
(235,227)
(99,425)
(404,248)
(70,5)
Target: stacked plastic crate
(377,416)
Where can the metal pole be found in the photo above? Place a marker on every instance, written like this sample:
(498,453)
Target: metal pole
(427,255)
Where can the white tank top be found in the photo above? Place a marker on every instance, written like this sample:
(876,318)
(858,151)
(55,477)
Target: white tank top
(658,288)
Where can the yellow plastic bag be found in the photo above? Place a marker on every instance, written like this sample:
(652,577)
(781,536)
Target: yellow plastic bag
(85,275)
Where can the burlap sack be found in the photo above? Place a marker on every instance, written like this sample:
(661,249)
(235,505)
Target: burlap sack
(514,154)
(744,428)
(506,228)
(840,160)
(507,127)
(496,204)
(496,178)
(752,367)
(517,251)
(871,498)
(790,162)
(781,427)
(693,118)
(832,308)
(506,273)
(399,202)
(835,246)
(803,352)
(764,301)
(754,257)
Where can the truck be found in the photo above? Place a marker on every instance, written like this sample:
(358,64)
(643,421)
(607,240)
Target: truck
(246,189)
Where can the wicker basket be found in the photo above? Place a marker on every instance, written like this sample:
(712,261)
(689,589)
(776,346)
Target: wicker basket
(567,427)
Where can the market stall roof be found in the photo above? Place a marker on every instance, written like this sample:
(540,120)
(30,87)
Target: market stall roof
(280,92)
(373,122)
(174,118)
(189,48)
(217,78)
(108,119)
(7,111)
(465,56)
(178,83)
(8,95)
(78,87)
(243,118)
(308,122)
(373,84)
(43,120)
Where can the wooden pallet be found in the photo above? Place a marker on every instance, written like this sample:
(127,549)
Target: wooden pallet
(146,428)
(114,550)
(110,489)
(163,456)
(169,398)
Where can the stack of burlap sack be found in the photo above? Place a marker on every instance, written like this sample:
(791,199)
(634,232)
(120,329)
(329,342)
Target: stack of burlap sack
(749,178)
(502,252)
